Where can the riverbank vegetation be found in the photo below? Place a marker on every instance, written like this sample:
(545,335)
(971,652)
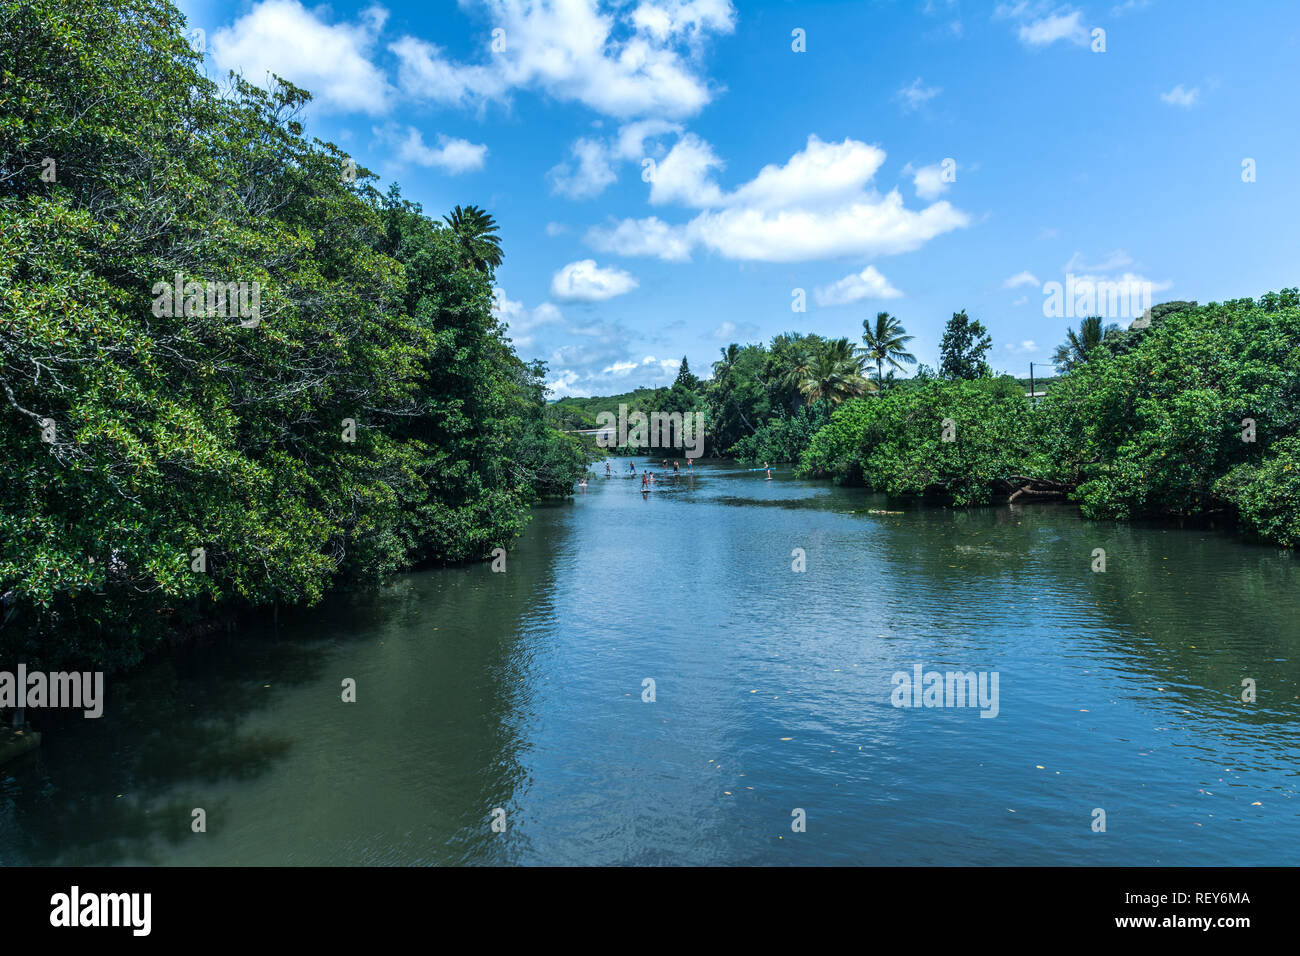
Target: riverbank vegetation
(1192,410)
(169,459)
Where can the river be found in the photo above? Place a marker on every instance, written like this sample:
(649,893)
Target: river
(522,692)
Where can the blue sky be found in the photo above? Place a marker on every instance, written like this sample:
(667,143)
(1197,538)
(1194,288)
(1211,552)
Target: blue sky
(918,156)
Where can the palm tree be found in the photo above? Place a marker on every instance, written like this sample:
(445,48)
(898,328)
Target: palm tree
(723,365)
(477,233)
(834,371)
(885,343)
(1074,350)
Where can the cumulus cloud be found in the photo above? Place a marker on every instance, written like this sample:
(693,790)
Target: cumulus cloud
(453,155)
(587,175)
(334,61)
(684,175)
(867,284)
(929,182)
(584,281)
(649,237)
(632,137)
(819,204)
(626,62)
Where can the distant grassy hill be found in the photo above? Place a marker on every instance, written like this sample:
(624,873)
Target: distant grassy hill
(582,412)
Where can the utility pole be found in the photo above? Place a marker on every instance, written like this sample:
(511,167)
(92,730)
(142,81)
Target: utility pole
(1031,383)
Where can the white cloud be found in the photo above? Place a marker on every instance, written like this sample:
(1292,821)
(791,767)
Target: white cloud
(1182,97)
(632,137)
(589,174)
(819,172)
(452,154)
(1025,347)
(683,18)
(333,61)
(584,281)
(1019,279)
(660,365)
(554,229)
(915,95)
(871,225)
(650,237)
(819,204)
(929,182)
(1052,28)
(867,284)
(683,176)
(523,322)
(626,62)
(1042,25)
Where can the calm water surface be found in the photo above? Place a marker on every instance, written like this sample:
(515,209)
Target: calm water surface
(522,691)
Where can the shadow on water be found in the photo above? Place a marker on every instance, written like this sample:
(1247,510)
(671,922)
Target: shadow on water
(200,727)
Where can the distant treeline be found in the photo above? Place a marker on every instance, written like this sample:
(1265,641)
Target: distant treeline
(170,455)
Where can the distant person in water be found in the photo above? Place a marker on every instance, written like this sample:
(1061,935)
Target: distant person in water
(606,469)
(631,466)
(768,469)
(690,463)
(645,480)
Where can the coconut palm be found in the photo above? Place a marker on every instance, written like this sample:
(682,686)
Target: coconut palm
(477,233)
(1074,350)
(834,371)
(723,365)
(885,340)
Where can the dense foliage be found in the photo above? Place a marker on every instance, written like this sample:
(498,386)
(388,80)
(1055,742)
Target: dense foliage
(1196,413)
(164,464)
(959,439)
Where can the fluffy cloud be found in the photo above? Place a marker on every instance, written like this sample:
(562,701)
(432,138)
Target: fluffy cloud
(683,176)
(584,281)
(929,182)
(628,62)
(867,284)
(649,237)
(631,140)
(819,204)
(588,174)
(333,61)
(1040,24)
(1182,97)
(452,155)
